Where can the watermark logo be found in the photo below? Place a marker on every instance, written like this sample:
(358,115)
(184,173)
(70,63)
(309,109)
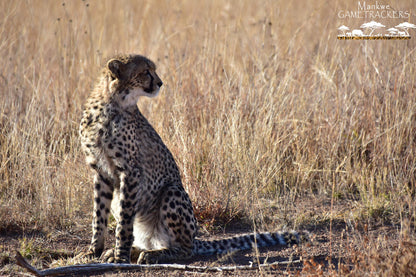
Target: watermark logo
(372,29)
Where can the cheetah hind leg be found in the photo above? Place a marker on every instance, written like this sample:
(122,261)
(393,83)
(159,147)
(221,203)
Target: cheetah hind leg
(108,256)
(163,255)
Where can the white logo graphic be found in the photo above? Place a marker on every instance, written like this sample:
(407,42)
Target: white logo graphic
(373,29)
(400,31)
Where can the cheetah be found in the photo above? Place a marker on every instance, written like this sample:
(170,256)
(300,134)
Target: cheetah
(137,178)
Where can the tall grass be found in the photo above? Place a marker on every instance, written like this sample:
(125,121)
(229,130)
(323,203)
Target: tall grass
(261,101)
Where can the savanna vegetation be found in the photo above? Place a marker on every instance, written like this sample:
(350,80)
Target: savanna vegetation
(273,121)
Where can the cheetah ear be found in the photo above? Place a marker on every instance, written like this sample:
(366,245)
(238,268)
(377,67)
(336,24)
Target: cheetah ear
(116,68)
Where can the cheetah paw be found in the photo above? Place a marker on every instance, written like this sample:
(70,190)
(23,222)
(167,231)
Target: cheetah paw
(86,256)
(148,257)
(108,256)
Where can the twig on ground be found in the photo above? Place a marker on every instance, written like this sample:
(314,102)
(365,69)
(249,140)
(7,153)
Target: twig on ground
(92,269)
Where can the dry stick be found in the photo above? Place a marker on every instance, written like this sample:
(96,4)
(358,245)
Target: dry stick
(91,269)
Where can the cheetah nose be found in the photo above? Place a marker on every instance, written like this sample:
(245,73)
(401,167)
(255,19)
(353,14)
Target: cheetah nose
(160,84)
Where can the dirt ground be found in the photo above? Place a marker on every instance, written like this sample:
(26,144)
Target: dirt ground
(328,253)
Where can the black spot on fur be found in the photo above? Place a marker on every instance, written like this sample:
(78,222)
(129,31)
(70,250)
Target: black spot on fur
(264,238)
(172,205)
(105,180)
(108,195)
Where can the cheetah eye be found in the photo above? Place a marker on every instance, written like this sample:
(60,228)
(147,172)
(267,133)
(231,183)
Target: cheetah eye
(144,75)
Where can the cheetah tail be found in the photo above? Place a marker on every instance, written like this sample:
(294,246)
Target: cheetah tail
(248,241)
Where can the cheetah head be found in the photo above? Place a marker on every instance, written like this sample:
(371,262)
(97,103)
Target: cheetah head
(133,76)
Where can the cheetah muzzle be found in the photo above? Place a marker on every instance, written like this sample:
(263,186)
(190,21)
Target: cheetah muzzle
(136,176)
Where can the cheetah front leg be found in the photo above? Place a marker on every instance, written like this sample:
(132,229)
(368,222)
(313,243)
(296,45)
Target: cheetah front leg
(103,194)
(125,216)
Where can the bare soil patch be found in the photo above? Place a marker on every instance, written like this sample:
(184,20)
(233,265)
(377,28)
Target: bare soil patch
(335,247)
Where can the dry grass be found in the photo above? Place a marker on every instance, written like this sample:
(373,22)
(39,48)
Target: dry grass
(260,102)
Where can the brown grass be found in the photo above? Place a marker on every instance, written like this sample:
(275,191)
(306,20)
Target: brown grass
(261,103)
